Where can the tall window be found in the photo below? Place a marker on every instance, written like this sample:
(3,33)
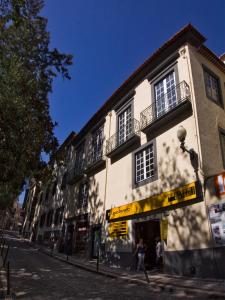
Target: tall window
(144,164)
(97,144)
(212,86)
(165,94)
(79,164)
(83,195)
(124,125)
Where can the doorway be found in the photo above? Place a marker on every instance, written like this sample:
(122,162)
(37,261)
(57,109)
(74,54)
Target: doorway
(148,231)
(96,241)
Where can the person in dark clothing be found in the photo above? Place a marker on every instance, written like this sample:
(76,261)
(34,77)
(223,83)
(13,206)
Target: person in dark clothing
(140,252)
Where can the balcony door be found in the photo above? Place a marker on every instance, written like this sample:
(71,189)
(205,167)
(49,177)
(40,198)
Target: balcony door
(97,144)
(124,125)
(165,94)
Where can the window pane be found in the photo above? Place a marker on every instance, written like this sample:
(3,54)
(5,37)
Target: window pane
(165,94)
(144,161)
(212,86)
(97,144)
(125,125)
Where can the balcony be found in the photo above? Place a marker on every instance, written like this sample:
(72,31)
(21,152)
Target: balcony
(95,160)
(177,103)
(123,139)
(74,174)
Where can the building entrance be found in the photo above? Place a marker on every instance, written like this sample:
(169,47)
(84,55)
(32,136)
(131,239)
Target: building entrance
(96,241)
(148,231)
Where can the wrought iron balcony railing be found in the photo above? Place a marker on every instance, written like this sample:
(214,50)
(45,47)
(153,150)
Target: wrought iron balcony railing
(74,173)
(94,157)
(131,129)
(168,102)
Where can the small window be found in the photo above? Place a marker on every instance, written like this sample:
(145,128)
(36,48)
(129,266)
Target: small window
(144,164)
(212,86)
(222,143)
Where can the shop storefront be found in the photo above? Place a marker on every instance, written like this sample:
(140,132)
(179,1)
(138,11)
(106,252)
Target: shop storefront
(146,219)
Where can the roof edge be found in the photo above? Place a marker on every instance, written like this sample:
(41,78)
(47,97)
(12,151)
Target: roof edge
(187,34)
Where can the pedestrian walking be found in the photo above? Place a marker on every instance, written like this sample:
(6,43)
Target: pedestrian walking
(140,252)
(159,252)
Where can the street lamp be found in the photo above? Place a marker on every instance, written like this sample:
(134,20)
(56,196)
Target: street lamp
(181,135)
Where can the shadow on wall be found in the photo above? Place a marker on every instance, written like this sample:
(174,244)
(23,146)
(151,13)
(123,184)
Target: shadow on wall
(188,245)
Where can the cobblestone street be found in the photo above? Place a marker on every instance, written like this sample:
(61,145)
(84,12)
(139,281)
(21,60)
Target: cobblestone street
(35,275)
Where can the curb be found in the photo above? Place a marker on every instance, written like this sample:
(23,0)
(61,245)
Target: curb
(165,287)
(3,286)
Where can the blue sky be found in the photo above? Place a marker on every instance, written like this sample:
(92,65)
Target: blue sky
(110,39)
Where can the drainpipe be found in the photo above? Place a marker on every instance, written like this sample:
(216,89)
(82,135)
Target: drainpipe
(106,171)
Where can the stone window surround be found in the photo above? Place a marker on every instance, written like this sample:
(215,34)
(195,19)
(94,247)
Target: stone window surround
(161,76)
(220,100)
(151,179)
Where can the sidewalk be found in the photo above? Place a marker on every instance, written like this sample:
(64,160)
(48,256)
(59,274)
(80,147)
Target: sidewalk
(212,288)
(3,283)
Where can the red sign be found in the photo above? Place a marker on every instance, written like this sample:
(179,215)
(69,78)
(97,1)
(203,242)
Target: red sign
(220,184)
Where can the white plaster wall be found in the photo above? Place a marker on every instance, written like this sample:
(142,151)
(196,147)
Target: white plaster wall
(210,115)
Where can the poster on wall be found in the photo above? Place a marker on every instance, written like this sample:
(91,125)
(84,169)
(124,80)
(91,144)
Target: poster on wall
(118,229)
(217,220)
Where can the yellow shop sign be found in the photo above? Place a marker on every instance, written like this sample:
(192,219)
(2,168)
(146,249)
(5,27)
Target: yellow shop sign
(178,195)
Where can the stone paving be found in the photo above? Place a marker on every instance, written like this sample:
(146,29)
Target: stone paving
(36,275)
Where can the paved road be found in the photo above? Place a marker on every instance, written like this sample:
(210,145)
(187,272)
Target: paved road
(37,276)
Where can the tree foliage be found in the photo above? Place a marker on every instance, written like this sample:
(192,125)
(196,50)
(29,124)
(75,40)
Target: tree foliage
(27,70)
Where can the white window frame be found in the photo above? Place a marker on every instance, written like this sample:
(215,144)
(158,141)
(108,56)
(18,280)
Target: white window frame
(165,95)
(124,125)
(97,144)
(212,86)
(143,164)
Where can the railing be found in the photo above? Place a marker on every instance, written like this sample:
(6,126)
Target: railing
(74,173)
(4,251)
(171,100)
(93,157)
(123,135)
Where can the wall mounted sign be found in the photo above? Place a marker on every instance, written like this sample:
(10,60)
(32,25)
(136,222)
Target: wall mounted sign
(220,184)
(166,199)
(118,229)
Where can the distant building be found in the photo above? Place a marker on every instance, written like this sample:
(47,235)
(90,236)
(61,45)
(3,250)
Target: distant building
(125,176)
